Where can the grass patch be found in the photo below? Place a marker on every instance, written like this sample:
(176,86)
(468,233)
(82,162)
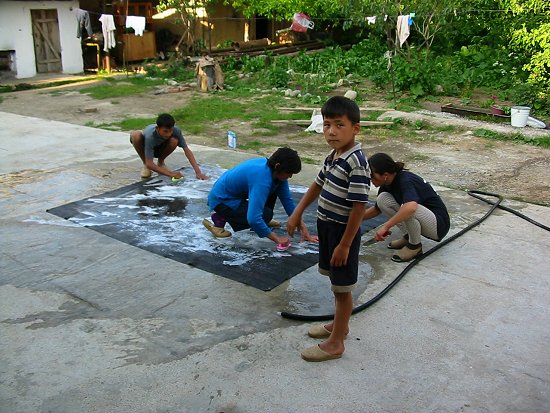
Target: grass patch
(106,126)
(54,93)
(419,124)
(198,115)
(253,145)
(242,88)
(121,87)
(307,160)
(113,91)
(414,136)
(445,128)
(420,157)
(136,123)
(266,129)
(125,125)
(371,115)
(542,141)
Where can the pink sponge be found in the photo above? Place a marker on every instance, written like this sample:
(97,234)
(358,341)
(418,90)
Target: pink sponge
(283,247)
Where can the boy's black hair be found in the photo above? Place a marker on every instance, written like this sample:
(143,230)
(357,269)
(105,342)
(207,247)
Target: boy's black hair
(165,120)
(338,106)
(288,161)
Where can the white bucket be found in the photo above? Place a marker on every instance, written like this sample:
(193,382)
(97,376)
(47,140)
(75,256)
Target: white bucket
(519,116)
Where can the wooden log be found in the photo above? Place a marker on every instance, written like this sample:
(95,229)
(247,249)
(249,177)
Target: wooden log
(238,46)
(307,122)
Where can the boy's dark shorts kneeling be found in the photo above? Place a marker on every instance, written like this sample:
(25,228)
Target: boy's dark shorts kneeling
(158,150)
(343,279)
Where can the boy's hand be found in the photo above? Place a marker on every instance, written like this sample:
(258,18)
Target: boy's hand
(283,240)
(339,256)
(177,174)
(305,234)
(292,224)
(201,176)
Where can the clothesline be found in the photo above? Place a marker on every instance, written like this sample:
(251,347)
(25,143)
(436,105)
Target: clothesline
(100,14)
(404,21)
(453,12)
(108,27)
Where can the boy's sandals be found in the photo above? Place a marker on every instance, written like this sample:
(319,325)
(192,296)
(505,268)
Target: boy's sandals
(319,331)
(407,254)
(315,353)
(398,244)
(145,173)
(216,231)
(273,224)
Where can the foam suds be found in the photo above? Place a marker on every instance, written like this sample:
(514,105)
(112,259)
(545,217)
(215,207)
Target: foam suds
(171,215)
(166,219)
(58,222)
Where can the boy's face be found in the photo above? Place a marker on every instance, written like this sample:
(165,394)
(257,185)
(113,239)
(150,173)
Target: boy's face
(340,133)
(282,176)
(165,132)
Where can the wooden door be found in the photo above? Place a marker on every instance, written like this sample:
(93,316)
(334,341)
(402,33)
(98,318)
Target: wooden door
(47,47)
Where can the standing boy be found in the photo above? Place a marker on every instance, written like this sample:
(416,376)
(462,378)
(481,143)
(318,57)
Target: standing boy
(342,187)
(159,141)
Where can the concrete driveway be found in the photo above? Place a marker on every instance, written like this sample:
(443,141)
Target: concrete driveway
(91,324)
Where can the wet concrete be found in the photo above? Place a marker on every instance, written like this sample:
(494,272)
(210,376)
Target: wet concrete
(92,324)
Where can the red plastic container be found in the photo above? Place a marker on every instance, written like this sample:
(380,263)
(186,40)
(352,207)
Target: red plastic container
(301,22)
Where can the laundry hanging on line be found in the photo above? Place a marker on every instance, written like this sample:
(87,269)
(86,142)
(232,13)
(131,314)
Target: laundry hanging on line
(108,28)
(83,23)
(137,23)
(403,30)
(403,25)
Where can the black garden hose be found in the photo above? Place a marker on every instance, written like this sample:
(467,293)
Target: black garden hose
(475,194)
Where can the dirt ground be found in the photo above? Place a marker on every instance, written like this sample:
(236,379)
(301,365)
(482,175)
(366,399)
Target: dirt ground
(451,157)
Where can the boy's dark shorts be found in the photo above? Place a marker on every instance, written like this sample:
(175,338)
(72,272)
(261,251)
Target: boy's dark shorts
(343,279)
(157,149)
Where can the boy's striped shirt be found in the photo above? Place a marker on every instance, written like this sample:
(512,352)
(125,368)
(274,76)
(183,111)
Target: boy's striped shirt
(343,180)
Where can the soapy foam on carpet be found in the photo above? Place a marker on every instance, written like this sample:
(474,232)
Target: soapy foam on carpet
(165,218)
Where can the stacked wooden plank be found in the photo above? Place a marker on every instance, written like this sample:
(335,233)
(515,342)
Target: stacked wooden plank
(261,46)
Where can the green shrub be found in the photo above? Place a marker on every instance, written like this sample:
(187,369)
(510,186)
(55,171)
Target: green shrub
(418,74)
(176,69)
(277,77)
(523,94)
(253,64)
(543,141)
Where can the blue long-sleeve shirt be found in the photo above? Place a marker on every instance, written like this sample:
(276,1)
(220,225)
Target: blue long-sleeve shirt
(252,180)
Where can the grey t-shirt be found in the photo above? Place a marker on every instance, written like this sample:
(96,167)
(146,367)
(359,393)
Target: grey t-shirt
(153,139)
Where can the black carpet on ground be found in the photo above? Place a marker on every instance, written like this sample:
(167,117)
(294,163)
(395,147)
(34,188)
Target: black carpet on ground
(166,219)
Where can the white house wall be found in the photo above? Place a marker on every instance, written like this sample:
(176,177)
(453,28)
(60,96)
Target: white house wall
(16,34)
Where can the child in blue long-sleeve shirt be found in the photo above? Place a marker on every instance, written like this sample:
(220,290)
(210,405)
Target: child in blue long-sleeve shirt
(245,196)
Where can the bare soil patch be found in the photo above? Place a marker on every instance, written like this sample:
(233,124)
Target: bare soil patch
(451,157)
